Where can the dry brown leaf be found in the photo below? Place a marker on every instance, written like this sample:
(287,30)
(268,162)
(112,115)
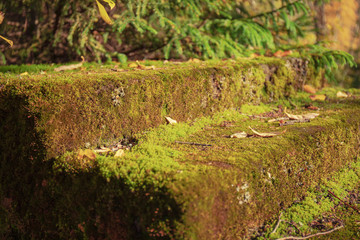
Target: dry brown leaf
(340,94)
(320,97)
(170,120)
(70,67)
(266,135)
(280,53)
(239,135)
(302,117)
(87,153)
(309,89)
(278,119)
(311,115)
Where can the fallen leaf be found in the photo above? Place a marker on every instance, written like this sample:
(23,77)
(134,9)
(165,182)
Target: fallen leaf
(340,94)
(24,74)
(170,120)
(320,97)
(239,135)
(302,117)
(102,150)
(254,55)
(133,65)
(278,119)
(140,66)
(119,153)
(88,153)
(70,67)
(280,53)
(309,89)
(311,115)
(311,107)
(194,60)
(266,135)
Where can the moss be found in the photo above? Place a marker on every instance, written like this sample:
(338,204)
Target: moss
(100,106)
(319,203)
(159,189)
(174,189)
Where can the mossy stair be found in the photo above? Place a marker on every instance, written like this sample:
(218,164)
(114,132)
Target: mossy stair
(161,189)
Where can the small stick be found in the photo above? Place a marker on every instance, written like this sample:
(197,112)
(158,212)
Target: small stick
(277,224)
(312,235)
(355,208)
(192,143)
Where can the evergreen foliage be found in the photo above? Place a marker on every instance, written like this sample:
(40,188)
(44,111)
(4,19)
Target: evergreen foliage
(64,30)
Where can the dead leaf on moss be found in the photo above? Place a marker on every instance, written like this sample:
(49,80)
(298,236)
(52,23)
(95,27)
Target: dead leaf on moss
(140,66)
(280,53)
(302,117)
(309,89)
(170,120)
(341,94)
(132,65)
(278,119)
(239,135)
(24,74)
(320,97)
(87,153)
(194,60)
(102,150)
(70,67)
(266,135)
(311,107)
(119,153)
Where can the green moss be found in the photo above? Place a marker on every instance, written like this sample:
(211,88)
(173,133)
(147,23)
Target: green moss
(318,201)
(276,171)
(79,107)
(160,187)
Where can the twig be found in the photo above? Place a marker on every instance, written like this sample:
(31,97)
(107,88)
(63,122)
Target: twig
(193,143)
(355,208)
(312,235)
(277,224)
(292,104)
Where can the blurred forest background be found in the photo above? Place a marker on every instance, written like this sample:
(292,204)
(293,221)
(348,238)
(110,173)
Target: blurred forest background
(58,31)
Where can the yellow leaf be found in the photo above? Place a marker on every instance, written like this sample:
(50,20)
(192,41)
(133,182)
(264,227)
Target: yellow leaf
(320,97)
(103,13)
(111,3)
(88,153)
(24,74)
(133,65)
(195,60)
(9,41)
(340,94)
(2,15)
